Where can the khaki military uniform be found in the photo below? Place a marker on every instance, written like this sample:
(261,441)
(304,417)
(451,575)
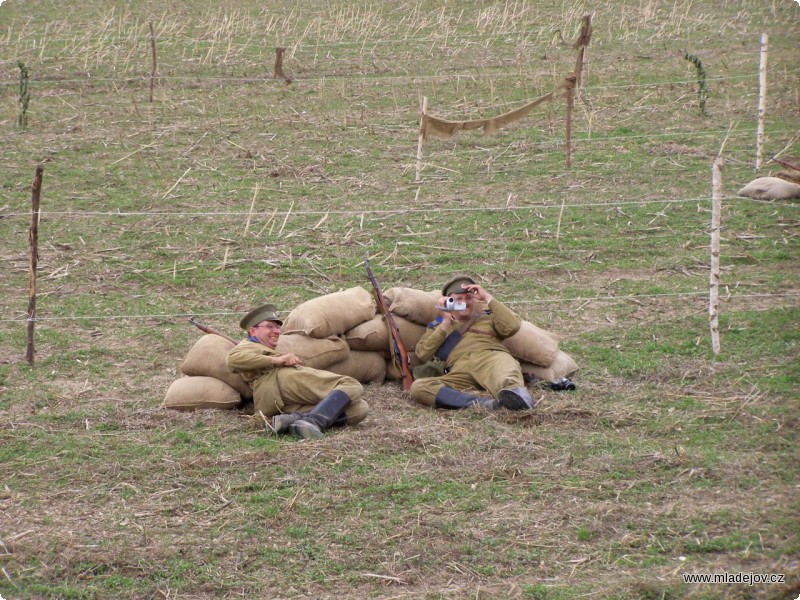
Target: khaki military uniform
(479,361)
(278,389)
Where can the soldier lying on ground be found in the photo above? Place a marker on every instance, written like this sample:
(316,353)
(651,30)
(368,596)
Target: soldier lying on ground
(466,343)
(301,400)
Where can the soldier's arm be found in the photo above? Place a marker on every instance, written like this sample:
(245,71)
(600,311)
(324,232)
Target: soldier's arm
(505,321)
(430,341)
(250,357)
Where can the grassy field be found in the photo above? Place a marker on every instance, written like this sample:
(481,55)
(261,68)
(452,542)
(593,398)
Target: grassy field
(232,188)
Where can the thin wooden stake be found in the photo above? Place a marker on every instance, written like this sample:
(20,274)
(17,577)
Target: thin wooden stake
(250,213)
(33,255)
(762,99)
(155,65)
(716,210)
(570,93)
(581,43)
(560,216)
(424,110)
(277,72)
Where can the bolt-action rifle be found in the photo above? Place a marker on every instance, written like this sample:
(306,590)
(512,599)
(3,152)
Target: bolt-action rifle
(399,354)
(207,329)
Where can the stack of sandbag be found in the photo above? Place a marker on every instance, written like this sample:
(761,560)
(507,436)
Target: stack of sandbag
(536,349)
(342,332)
(411,311)
(207,382)
(315,330)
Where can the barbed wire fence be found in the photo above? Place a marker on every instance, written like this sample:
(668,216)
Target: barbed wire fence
(369,80)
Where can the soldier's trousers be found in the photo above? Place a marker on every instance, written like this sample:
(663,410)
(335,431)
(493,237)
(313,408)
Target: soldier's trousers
(490,371)
(300,390)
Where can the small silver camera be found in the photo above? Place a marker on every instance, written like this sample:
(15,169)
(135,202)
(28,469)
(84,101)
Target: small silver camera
(453,304)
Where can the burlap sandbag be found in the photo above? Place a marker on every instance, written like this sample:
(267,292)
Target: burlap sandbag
(415,305)
(207,359)
(532,345)
(366,367)
(316,353)
(410,332)
(369,336)
(373,335)
(191,393)
(562,366)
(332,314)
(770,188)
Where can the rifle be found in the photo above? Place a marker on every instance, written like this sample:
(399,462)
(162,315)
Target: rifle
(400,353)
(207,329)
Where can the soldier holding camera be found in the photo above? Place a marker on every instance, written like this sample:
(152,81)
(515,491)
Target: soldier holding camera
(467,343)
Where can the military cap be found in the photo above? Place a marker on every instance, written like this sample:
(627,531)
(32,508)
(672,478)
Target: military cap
(454,285)
(266,312)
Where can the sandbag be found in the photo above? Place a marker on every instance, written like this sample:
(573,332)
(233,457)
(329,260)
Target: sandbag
(206,358)
(192,393)
(770,188)
(316,353)
(415,305)
(410,332)
(562,366)
(369,336)
(332,314)
(373,335)
(366,367)
(532,345)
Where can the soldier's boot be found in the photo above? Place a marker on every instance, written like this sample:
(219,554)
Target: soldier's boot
(313,424)
(517,398)
(340,421)
(281,423)
(452,399)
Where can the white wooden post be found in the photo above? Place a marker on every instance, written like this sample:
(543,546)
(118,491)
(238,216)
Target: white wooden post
(421,136)
(716,210)
(762,99)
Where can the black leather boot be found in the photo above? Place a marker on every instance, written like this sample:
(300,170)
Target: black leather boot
(517,398)
(281,423)
(312,425)
(452,399)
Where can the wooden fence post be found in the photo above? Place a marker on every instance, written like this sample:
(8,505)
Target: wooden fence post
(716,210)
(762,99)
(277,72)
(424,111)
(570,93)
(155,65)
(33,250)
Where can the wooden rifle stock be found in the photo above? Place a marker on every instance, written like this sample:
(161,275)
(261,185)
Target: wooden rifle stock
(211,330)
(400,353)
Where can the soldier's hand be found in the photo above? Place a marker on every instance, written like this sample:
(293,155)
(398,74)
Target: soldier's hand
(478,291)
(288,360)
(447,315)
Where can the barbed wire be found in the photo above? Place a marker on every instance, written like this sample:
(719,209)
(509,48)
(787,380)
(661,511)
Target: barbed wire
(280,84)
(549,144)
(312,46)
(584,299)
(375,211)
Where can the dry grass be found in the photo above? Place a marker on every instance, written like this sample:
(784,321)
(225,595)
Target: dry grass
(231,188)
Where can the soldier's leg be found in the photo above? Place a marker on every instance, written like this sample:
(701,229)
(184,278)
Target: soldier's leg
(445,392)
(424,390)
(302,389)
(320,398)
(500,374)
(357,409)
